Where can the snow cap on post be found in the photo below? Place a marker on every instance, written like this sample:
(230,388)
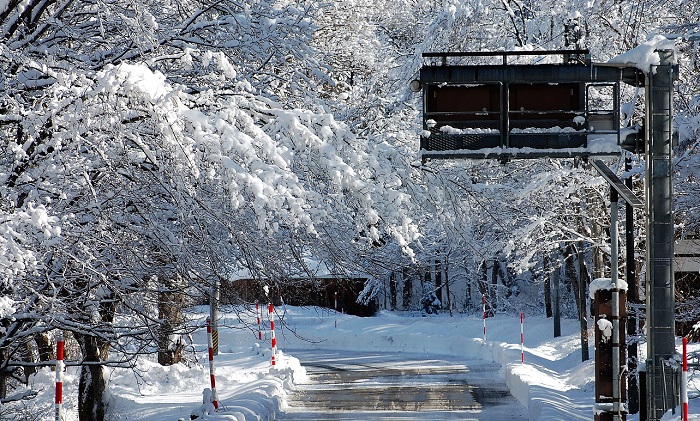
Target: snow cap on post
(646,54)
(605,284)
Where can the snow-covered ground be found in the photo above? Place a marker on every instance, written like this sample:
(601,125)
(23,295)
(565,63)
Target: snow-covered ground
(552,383)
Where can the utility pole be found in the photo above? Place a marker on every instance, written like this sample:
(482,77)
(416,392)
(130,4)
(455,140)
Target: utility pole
(660,289)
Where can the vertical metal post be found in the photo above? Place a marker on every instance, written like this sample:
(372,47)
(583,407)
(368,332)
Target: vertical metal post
(214,315)
(212,374)
(271,316)
(522,339)
(506,114)
(660,237)
(556,314)
(483,303)
(614,265)
(60,343)
(632,299)
(684,382)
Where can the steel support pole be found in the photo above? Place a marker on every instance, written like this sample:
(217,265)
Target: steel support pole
(632,300)
(614,265)
(660,236)
(556,313)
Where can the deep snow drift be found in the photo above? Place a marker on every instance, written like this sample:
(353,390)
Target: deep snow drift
(552,383)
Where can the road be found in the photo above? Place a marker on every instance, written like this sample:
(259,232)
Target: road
(385,386)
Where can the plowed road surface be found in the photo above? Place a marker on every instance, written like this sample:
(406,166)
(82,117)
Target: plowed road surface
(396,386)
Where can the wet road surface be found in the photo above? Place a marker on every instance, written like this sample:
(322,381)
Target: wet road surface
(382,386)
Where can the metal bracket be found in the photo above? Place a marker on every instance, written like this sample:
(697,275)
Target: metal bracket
(617,184)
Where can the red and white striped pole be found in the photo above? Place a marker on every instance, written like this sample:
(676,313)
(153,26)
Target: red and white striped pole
(522,339)
(258,315)
(684,380)
(271,315)
(214,396)
(483,303)
(60,344)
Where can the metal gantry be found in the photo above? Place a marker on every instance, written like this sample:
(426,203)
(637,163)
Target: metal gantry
(509,110)
(505,110)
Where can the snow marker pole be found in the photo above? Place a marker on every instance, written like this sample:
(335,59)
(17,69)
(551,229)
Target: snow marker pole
(684,380)
(258,315)
(214,397)
(60,344)
(483,303)
(522,339)
(271,315)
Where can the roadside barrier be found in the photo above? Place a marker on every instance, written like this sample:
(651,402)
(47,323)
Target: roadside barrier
(214,396)
(271,315)
(60,344)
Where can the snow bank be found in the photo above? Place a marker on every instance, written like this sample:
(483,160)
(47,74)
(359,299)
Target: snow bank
(552,383)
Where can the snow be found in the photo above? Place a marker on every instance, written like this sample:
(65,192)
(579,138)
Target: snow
(605,283)
(597,144)
(452,130)
(6,308)
(551,384)
(644,55)
(606,328)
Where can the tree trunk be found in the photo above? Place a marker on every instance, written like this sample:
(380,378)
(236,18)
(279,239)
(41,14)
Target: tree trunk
(170,303)
(30,356)
(494,287)
(547,286)
(468,294)
(438,282)
(392,291)
(598,257)
(91,388)
(95,350)
(571,255)
(407,289)
(447,289)
(584,281)
(485,289)
(3,375)
(43,344)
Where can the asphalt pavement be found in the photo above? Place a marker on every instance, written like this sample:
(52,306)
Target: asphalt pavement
(398,386)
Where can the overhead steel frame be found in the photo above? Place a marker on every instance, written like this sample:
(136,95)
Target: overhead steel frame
(505,144)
